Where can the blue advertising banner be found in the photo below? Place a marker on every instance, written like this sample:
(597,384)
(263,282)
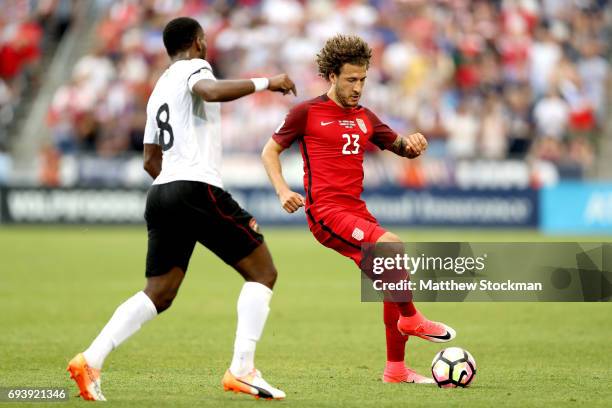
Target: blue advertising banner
(391,206)
(434,207)
(572,207)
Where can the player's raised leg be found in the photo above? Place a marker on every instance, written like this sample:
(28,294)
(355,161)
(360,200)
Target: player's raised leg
(253,307)
(128,318)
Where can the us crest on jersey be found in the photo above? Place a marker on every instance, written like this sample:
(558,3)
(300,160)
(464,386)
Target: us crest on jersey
(357,234)
(362,125)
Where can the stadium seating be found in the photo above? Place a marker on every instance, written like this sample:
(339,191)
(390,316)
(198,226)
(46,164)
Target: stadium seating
(484,80)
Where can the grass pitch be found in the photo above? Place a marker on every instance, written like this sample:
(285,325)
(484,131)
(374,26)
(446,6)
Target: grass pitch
(59,286)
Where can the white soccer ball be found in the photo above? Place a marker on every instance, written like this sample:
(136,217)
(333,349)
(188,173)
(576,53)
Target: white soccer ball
(453,367)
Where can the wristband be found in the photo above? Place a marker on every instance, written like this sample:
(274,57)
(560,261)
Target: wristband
(261,84)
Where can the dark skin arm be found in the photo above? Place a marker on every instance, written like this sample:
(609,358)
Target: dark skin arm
(216,91)
(152,159)
(231,89)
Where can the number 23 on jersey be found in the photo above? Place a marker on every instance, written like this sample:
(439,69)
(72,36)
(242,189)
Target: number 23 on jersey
(352,144)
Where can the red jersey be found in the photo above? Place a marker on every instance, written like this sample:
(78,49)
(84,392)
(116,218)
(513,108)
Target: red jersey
(332,141)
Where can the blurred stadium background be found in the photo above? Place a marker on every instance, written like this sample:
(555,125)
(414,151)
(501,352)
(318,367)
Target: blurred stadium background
(512,94)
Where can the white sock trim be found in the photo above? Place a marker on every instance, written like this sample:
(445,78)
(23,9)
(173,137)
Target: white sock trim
(146,300)
(257,287)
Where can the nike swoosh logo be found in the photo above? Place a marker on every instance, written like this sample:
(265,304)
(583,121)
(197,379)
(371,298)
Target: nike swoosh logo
(262,392)
(327,123)
(447,336)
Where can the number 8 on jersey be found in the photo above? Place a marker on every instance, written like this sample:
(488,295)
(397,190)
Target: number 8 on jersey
(163,126)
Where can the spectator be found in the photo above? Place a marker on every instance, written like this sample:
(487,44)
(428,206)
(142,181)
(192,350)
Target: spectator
(493,130)
(551,115)
(480,78)
(27,30)
(544,56)
(462,129)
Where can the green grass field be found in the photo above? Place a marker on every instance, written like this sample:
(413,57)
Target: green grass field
(58,287)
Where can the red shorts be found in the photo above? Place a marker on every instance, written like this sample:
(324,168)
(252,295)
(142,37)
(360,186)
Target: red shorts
(345,231)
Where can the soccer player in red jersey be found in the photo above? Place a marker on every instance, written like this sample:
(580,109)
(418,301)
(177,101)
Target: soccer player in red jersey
(332,130)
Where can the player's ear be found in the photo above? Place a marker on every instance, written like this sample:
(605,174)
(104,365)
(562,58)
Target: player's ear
(200,42)
(333,78)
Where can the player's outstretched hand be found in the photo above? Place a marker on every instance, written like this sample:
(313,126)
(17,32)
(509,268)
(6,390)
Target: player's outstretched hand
(282,83)
(291,201)
(416,144)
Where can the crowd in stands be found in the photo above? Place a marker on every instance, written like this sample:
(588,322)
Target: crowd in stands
(523,79)
(27,29)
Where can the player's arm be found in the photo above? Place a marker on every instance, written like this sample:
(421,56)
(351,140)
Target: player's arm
(384,137)
(290,200)
(410,146)
(152,159)
(231,89)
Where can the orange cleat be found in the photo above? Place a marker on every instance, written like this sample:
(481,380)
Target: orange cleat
(86,378)
(252,384)
(418,325)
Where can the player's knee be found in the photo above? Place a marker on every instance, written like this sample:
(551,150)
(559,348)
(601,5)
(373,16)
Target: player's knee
(163,289)
(162,298)
(267,276)
(164,304)
(389,237)
(389,245)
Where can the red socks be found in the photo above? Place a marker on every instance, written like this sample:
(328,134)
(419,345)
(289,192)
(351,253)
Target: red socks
(395,372)
(396,342)
(406,309)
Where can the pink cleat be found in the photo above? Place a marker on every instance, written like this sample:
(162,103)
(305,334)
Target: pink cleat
(418,325)
(407,375)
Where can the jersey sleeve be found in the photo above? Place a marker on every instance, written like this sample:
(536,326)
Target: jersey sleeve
(200,69)
(383,136)
(150,131)
(293,127)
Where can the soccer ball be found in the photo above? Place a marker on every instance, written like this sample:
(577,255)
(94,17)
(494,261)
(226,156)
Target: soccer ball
(453,367)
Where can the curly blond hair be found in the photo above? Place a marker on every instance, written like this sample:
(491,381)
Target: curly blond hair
(340,50)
